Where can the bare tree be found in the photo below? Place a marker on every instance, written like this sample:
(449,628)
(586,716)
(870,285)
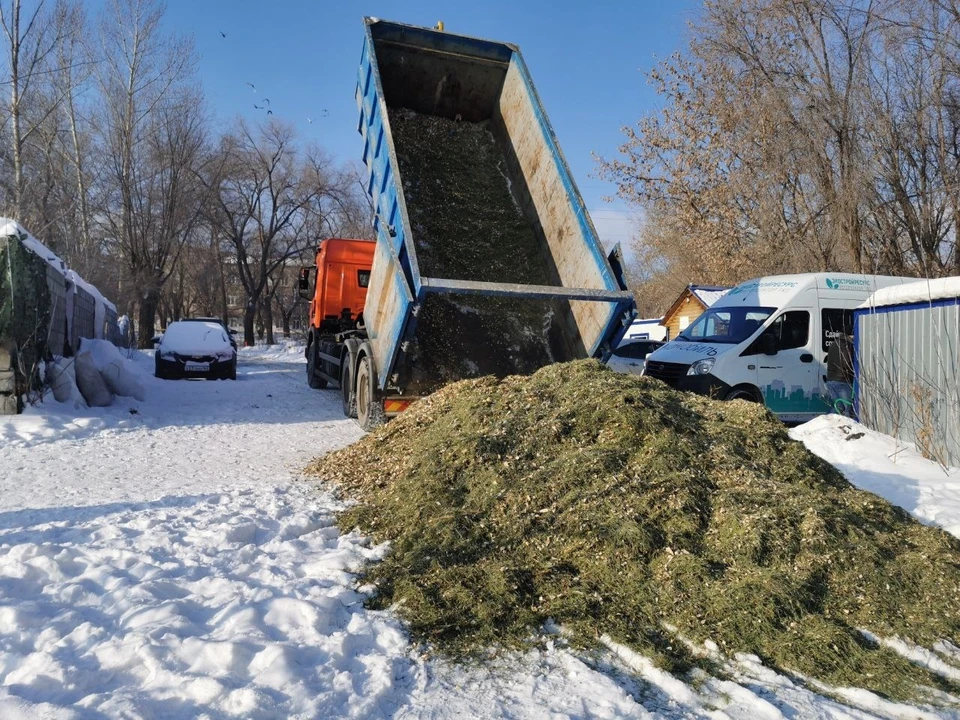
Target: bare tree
(785,140)
(916,136)
(270,203)
(32,41)
(153,131)
(74,69)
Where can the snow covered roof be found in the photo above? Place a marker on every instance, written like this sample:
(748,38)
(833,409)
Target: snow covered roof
(708,294)
(922,291)
(12,227)
(97,295)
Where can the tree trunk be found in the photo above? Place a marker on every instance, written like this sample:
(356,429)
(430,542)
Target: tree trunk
(148,313)
(15,110)
(286,321)
(81,181)
(248,316)
(268,321)
(215,246)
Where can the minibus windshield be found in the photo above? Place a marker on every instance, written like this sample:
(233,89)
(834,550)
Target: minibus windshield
(730,325)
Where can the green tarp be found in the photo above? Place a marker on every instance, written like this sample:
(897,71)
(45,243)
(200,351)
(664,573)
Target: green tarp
(25,306)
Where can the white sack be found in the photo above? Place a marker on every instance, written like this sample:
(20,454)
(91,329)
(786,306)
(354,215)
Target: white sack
(117,372)
(62,379)
(91,383)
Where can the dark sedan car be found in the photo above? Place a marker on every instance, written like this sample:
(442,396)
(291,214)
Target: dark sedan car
(191,348)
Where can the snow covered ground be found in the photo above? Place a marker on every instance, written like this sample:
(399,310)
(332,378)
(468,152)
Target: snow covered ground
(894,470)
(164,558)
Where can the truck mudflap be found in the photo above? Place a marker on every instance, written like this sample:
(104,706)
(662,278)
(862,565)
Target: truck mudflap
(393,406)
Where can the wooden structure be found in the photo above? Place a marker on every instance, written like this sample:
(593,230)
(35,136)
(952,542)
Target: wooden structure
(688,307)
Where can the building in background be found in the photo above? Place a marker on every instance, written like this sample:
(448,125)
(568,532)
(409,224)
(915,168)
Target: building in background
(688,307)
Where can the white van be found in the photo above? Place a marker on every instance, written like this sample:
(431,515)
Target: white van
(766,340)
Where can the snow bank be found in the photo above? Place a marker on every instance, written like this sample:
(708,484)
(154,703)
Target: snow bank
(91,383)
(61,376)
(102,372)
(922,291)
(890,468)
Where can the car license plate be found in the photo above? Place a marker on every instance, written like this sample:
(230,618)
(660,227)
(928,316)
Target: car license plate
(196,366)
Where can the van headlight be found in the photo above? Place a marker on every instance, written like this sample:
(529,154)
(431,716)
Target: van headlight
(702,367)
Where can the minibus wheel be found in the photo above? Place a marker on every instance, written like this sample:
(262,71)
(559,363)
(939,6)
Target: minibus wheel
(744,393)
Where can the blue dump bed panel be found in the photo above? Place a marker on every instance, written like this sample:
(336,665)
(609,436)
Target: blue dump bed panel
(462,314)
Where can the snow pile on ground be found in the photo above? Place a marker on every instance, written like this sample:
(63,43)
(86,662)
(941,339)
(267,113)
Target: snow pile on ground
(888,467)
(61,376)
(94,376)
(121,376)
(159,558)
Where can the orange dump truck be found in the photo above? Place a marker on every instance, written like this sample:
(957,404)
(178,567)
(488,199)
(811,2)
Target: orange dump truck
(338,288)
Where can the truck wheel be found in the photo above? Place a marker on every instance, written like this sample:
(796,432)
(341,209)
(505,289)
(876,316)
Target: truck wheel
(312,380)
(346,390)
(370,413)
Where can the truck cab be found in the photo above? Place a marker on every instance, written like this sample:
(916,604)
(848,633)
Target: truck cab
(340,277)
(337,295)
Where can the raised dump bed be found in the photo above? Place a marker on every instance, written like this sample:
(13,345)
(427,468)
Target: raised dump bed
(486,259)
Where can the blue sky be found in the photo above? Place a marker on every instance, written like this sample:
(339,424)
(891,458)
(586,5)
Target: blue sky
(586,58)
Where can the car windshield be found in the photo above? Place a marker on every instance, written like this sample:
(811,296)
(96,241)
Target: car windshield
(728,325)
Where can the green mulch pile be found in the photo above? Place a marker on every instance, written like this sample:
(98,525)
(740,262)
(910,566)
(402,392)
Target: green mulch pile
(465,222)
(615,505)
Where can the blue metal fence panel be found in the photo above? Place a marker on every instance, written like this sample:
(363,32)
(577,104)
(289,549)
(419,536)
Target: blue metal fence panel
(907,382)
(84,316)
